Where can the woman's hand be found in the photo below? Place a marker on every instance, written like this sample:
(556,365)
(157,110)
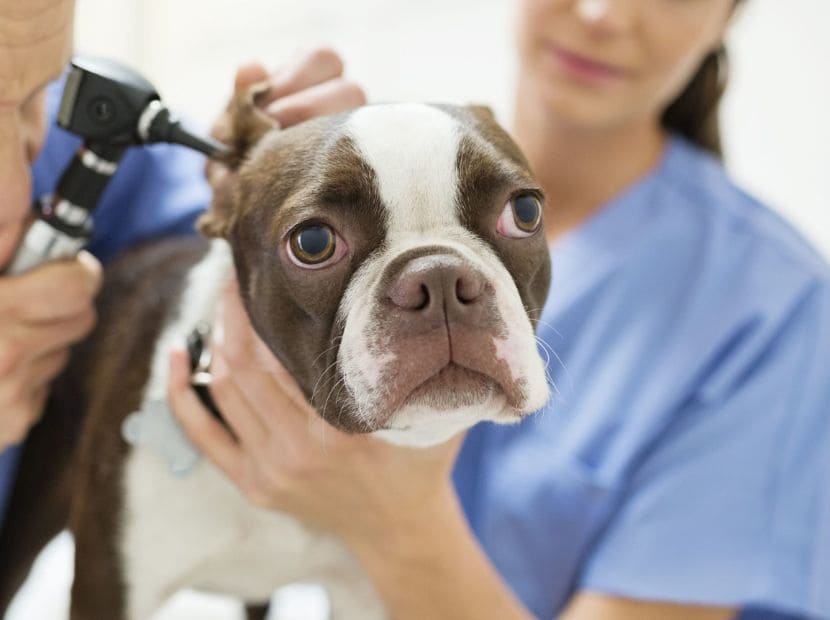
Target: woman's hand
(285,457)
(310,85)
(43,312)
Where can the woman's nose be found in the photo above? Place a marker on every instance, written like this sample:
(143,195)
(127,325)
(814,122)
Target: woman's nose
(607,14)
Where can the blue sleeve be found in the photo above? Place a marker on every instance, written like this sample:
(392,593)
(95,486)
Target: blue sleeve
(157,190)
(732,506)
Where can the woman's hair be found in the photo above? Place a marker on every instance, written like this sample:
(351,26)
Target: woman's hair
(694,114)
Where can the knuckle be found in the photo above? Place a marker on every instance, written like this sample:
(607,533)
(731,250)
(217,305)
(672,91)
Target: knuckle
(259,499)
(301,110)
(61,359)
(298,467)
(17,422)
(12,353)
(21,306)
(354,94)
(219,386)
(325,56)
(258,493)
(89,319)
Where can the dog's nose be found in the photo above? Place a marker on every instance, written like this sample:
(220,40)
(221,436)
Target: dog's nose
(432,285)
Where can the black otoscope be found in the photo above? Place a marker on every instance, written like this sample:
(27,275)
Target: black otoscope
(112,108)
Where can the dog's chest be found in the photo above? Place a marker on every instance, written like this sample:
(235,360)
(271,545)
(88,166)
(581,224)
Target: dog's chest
(198,530)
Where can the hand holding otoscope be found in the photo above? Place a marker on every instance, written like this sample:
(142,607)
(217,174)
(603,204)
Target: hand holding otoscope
(113,108)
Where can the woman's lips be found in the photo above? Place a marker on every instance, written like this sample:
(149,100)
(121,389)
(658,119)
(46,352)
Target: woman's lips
(582,67)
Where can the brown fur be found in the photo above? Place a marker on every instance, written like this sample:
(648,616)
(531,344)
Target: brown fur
(55,487)
(275,180)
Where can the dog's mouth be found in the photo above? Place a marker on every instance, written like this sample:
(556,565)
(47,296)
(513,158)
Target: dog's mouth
(452,387)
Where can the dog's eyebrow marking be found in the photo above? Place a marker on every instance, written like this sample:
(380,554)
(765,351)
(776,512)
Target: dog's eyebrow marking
(413,149)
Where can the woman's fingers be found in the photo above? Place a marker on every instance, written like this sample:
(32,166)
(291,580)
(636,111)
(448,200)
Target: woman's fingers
(51,292)
(307,69)
(237,406)
(275,396)
(330,97)
(207,434)
(248,75)
(47,337)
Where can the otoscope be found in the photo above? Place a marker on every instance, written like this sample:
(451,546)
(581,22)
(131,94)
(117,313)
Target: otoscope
(112,108)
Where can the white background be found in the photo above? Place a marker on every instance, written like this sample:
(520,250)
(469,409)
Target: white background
(776,118)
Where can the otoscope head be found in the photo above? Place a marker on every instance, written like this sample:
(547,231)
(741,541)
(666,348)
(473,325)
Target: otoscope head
(108,103)
(103,101)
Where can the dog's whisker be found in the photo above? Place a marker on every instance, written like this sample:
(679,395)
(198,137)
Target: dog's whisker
(548,376)
(335,342)
(544,323)
(337,384)
(330,367)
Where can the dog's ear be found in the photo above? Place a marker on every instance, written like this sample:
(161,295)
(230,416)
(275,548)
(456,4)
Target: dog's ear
(241,126)
(482,112)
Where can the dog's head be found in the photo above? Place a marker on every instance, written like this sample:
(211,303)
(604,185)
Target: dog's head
(393,258)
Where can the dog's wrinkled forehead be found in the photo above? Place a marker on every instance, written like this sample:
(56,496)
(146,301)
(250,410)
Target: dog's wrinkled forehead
(426,158)
(397,140)
(420,161)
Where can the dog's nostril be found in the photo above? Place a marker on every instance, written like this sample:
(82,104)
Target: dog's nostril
(435,284)
(468,288)
(410,292)
(425,298)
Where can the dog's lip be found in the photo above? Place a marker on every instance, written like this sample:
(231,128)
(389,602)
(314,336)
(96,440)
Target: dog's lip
(453,367)
(448,374)
(467,374)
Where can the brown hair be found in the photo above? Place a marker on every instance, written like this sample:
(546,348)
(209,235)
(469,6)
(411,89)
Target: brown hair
(694,114)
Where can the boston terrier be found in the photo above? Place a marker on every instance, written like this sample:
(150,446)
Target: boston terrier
(393,258)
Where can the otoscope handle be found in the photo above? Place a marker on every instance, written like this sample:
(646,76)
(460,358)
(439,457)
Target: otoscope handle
(43,243)
(63,224)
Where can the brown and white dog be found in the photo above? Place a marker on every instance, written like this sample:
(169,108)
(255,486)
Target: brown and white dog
(392,258)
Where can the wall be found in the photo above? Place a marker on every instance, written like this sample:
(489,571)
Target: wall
(776,124)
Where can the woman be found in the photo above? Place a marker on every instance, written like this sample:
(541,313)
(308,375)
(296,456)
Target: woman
(679,472)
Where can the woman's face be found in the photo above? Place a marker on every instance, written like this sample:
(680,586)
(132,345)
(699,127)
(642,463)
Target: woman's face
(603,63)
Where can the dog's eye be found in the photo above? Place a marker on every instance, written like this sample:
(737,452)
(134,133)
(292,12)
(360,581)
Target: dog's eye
(521,217)
(314,245)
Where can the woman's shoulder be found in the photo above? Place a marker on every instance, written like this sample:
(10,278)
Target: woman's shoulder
(698,190)
(731,280)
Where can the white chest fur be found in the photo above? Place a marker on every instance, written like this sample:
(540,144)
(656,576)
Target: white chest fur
(199,531)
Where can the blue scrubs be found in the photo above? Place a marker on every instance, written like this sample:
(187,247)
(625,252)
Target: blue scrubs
(685,454)
(157,191)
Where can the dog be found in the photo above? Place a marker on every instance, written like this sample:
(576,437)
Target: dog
(393,258)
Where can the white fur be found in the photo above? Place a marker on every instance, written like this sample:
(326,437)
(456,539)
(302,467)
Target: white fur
(200,531)
(417,178)
(412,148)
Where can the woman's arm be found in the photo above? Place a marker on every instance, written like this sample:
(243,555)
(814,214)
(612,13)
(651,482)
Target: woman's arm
(394,507)
(590,605)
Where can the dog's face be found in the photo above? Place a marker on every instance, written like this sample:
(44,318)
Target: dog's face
(392,258)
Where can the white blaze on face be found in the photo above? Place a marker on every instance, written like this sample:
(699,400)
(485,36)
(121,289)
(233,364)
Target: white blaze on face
(413,150)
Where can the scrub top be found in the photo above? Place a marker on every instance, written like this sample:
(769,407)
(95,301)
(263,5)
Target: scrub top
(157,191)
(685,453)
